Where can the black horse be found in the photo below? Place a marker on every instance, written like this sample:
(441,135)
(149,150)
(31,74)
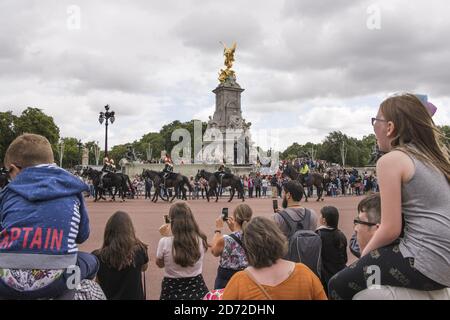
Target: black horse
(314,179)
(229,180)
(157,183)
(174,180)
(126,185)
(120,182)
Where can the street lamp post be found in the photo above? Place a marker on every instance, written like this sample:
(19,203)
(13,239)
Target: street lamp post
(149,153)
(61,152)
(106,116)
(343,153)
(79,144)
(96,153)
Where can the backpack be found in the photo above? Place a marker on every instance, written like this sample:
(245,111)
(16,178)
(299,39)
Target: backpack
(305,246)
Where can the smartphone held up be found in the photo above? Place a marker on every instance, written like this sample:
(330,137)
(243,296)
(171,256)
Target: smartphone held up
(224,214)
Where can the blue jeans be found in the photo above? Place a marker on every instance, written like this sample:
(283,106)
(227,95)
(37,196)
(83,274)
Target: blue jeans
(91,191)
(88,264)
(223,277)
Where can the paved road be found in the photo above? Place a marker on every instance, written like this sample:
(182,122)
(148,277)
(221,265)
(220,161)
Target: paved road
(148,217)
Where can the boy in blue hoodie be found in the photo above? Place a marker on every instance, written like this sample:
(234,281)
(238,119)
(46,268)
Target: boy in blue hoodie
(42,219)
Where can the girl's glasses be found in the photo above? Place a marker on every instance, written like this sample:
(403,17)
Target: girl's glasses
(376,119)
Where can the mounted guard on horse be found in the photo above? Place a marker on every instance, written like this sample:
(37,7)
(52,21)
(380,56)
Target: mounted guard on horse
(305,178)
(168,168)
(304,172)
(108,167)
(221,173)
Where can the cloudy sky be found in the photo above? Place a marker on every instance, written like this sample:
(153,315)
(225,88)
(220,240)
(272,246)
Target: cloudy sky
(307,66)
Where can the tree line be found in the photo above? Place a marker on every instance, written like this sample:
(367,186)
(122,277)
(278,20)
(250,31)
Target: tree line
(335,148)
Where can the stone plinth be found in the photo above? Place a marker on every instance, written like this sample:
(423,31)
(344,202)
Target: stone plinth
(234,129)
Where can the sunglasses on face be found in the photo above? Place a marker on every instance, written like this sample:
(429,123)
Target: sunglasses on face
(366,223)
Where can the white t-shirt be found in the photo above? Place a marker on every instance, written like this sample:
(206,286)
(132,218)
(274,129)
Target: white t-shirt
(173,270)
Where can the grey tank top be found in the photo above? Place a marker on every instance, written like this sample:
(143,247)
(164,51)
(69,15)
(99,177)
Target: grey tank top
(426,212)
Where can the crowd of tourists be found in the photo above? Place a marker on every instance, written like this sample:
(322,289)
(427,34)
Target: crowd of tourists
(404,230)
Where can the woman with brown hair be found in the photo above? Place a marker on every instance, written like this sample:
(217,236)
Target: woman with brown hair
(180,252)
(123,258)
(411,247)
(229,247)
(269,276)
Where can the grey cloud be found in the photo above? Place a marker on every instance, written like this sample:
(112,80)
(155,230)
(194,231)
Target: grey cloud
(408,52)
(315,8)
(82,72)
(203,30)
(155,62)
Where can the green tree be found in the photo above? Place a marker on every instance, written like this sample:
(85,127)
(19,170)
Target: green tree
(71,153)
(330,150)
(357,152)
(90,145)
(117,153)
(34,120)
(168,129)
(155,141)
(291,152)
(7,132)
(295,150)
(312,149)
(446,132)
(354,152)
(367,149)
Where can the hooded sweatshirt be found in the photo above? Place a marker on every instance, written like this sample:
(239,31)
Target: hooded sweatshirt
(42,219)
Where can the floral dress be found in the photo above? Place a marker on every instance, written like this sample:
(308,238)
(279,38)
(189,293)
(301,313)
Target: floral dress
(233,255)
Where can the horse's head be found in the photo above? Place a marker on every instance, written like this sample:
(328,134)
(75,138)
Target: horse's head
(289,172)
(85,172)
(285,167)
(150,174)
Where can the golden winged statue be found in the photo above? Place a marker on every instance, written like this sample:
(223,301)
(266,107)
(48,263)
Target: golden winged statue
(229,59)
(229,54)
